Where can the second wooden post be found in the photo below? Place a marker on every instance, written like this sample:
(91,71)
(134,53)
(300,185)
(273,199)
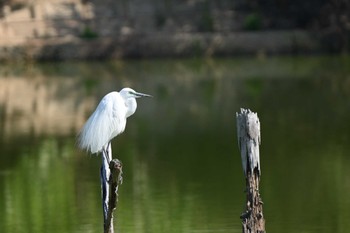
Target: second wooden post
(248,134)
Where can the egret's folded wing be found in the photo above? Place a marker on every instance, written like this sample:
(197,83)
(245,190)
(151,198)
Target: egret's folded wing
(105,123)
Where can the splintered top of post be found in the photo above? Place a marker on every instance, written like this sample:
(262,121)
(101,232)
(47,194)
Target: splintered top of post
(248,134)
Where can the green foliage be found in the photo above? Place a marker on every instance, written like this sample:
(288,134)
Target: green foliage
(88,33)
(252,22)
(206,22)
(160,19)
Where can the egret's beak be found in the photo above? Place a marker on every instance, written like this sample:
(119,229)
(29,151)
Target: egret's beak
(138,95)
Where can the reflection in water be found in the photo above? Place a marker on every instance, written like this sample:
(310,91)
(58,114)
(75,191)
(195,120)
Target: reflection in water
(40,194)
(182,170)
(39,105)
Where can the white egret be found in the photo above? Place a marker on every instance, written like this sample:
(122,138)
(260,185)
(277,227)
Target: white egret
(108,120)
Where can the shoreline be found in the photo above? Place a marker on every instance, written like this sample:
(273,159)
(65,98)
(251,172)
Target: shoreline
(161,45)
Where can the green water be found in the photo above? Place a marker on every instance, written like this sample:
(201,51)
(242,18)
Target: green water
(182,169)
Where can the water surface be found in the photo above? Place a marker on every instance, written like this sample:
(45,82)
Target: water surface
(181,163)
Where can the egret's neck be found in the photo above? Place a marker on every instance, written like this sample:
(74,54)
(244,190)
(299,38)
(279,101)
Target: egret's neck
(131,106)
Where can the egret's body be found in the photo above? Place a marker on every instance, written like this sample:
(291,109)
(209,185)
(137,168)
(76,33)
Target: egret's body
(109,119)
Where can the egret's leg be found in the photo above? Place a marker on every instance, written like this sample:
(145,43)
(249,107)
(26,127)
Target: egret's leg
(104,153)
(105,174)
(107,152)
(103,177)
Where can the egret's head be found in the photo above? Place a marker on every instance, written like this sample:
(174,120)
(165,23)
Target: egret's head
(130,93)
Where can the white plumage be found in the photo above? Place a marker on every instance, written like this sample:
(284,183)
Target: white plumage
(108,120)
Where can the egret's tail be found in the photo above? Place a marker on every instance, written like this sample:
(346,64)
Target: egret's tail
(90,137)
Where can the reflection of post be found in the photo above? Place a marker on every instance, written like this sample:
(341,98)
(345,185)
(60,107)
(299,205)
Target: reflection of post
(111,178)
(248,133)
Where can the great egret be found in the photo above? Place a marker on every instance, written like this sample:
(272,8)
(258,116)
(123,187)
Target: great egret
(108,120)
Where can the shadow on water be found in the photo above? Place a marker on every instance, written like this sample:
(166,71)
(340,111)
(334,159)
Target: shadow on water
(182,169)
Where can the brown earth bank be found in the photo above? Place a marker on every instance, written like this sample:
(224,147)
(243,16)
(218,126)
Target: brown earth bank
(104,29)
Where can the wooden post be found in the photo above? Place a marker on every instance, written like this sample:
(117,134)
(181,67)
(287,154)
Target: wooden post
(248,134)
(111,178)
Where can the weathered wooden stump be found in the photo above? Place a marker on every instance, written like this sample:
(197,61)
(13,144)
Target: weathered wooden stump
(111,178)
(248,133)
